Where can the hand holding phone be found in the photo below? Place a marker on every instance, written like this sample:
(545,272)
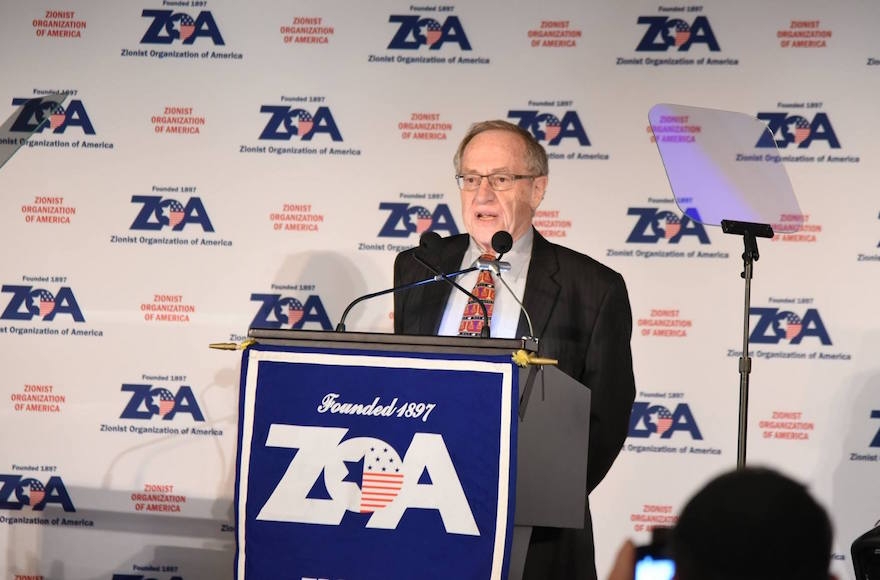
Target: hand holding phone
(653,564)
(654,561)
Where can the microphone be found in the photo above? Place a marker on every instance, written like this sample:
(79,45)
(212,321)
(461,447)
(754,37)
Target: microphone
(429,242)
(502,242)
(423,244)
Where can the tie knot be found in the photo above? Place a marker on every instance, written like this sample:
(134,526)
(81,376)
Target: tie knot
(487,256)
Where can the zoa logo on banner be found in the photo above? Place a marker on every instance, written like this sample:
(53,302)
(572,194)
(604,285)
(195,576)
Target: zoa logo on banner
(775,325)
(550,128)
(655,224)
(157,213)
(286,122)
(28,302)
(148,401)
(784,129)
(34,113)
(279,311)
(17,491)
(168,26)
(648,419)
(664,33)
(365,475)
(413,32)
(405,219)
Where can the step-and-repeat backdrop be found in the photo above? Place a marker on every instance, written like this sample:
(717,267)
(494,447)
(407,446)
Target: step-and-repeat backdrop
(220,165)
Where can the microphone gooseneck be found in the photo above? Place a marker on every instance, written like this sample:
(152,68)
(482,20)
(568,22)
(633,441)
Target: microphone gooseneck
(426,242)
(521,306)
(502,242)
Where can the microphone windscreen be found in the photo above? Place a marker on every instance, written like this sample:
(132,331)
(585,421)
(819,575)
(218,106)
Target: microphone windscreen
(502,242)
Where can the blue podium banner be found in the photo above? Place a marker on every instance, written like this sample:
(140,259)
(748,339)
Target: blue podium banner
(369,464)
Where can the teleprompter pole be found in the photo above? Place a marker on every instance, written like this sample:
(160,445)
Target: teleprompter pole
(750,232)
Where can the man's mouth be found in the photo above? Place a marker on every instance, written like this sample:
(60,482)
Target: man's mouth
(486,216)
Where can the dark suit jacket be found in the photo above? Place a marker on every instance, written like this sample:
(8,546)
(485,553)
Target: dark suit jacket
(581,314)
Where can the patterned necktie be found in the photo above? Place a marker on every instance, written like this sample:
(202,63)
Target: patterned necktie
(484,289)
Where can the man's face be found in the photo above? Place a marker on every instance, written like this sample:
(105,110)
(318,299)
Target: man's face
(486,211)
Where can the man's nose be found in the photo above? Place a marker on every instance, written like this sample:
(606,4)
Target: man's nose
(485,189)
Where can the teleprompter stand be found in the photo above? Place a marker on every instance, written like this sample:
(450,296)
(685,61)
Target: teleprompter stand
(723,172)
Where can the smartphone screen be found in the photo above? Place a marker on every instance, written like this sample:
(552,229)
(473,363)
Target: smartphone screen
(652,567)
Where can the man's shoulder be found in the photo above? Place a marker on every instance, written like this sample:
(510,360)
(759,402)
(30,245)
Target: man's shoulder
(442,245)
(456,239)
(571,261)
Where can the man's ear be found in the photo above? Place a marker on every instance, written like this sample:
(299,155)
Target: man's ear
(539,188)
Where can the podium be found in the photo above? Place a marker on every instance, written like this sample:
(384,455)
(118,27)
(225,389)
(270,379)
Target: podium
(552,417)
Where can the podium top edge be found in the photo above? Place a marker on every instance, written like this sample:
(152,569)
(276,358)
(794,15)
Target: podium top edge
(324,338)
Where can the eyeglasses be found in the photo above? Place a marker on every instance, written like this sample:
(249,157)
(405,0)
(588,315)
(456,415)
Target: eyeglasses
(497,181)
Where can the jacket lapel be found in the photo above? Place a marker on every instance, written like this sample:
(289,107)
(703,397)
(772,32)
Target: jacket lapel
(542,290)
(437,294)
